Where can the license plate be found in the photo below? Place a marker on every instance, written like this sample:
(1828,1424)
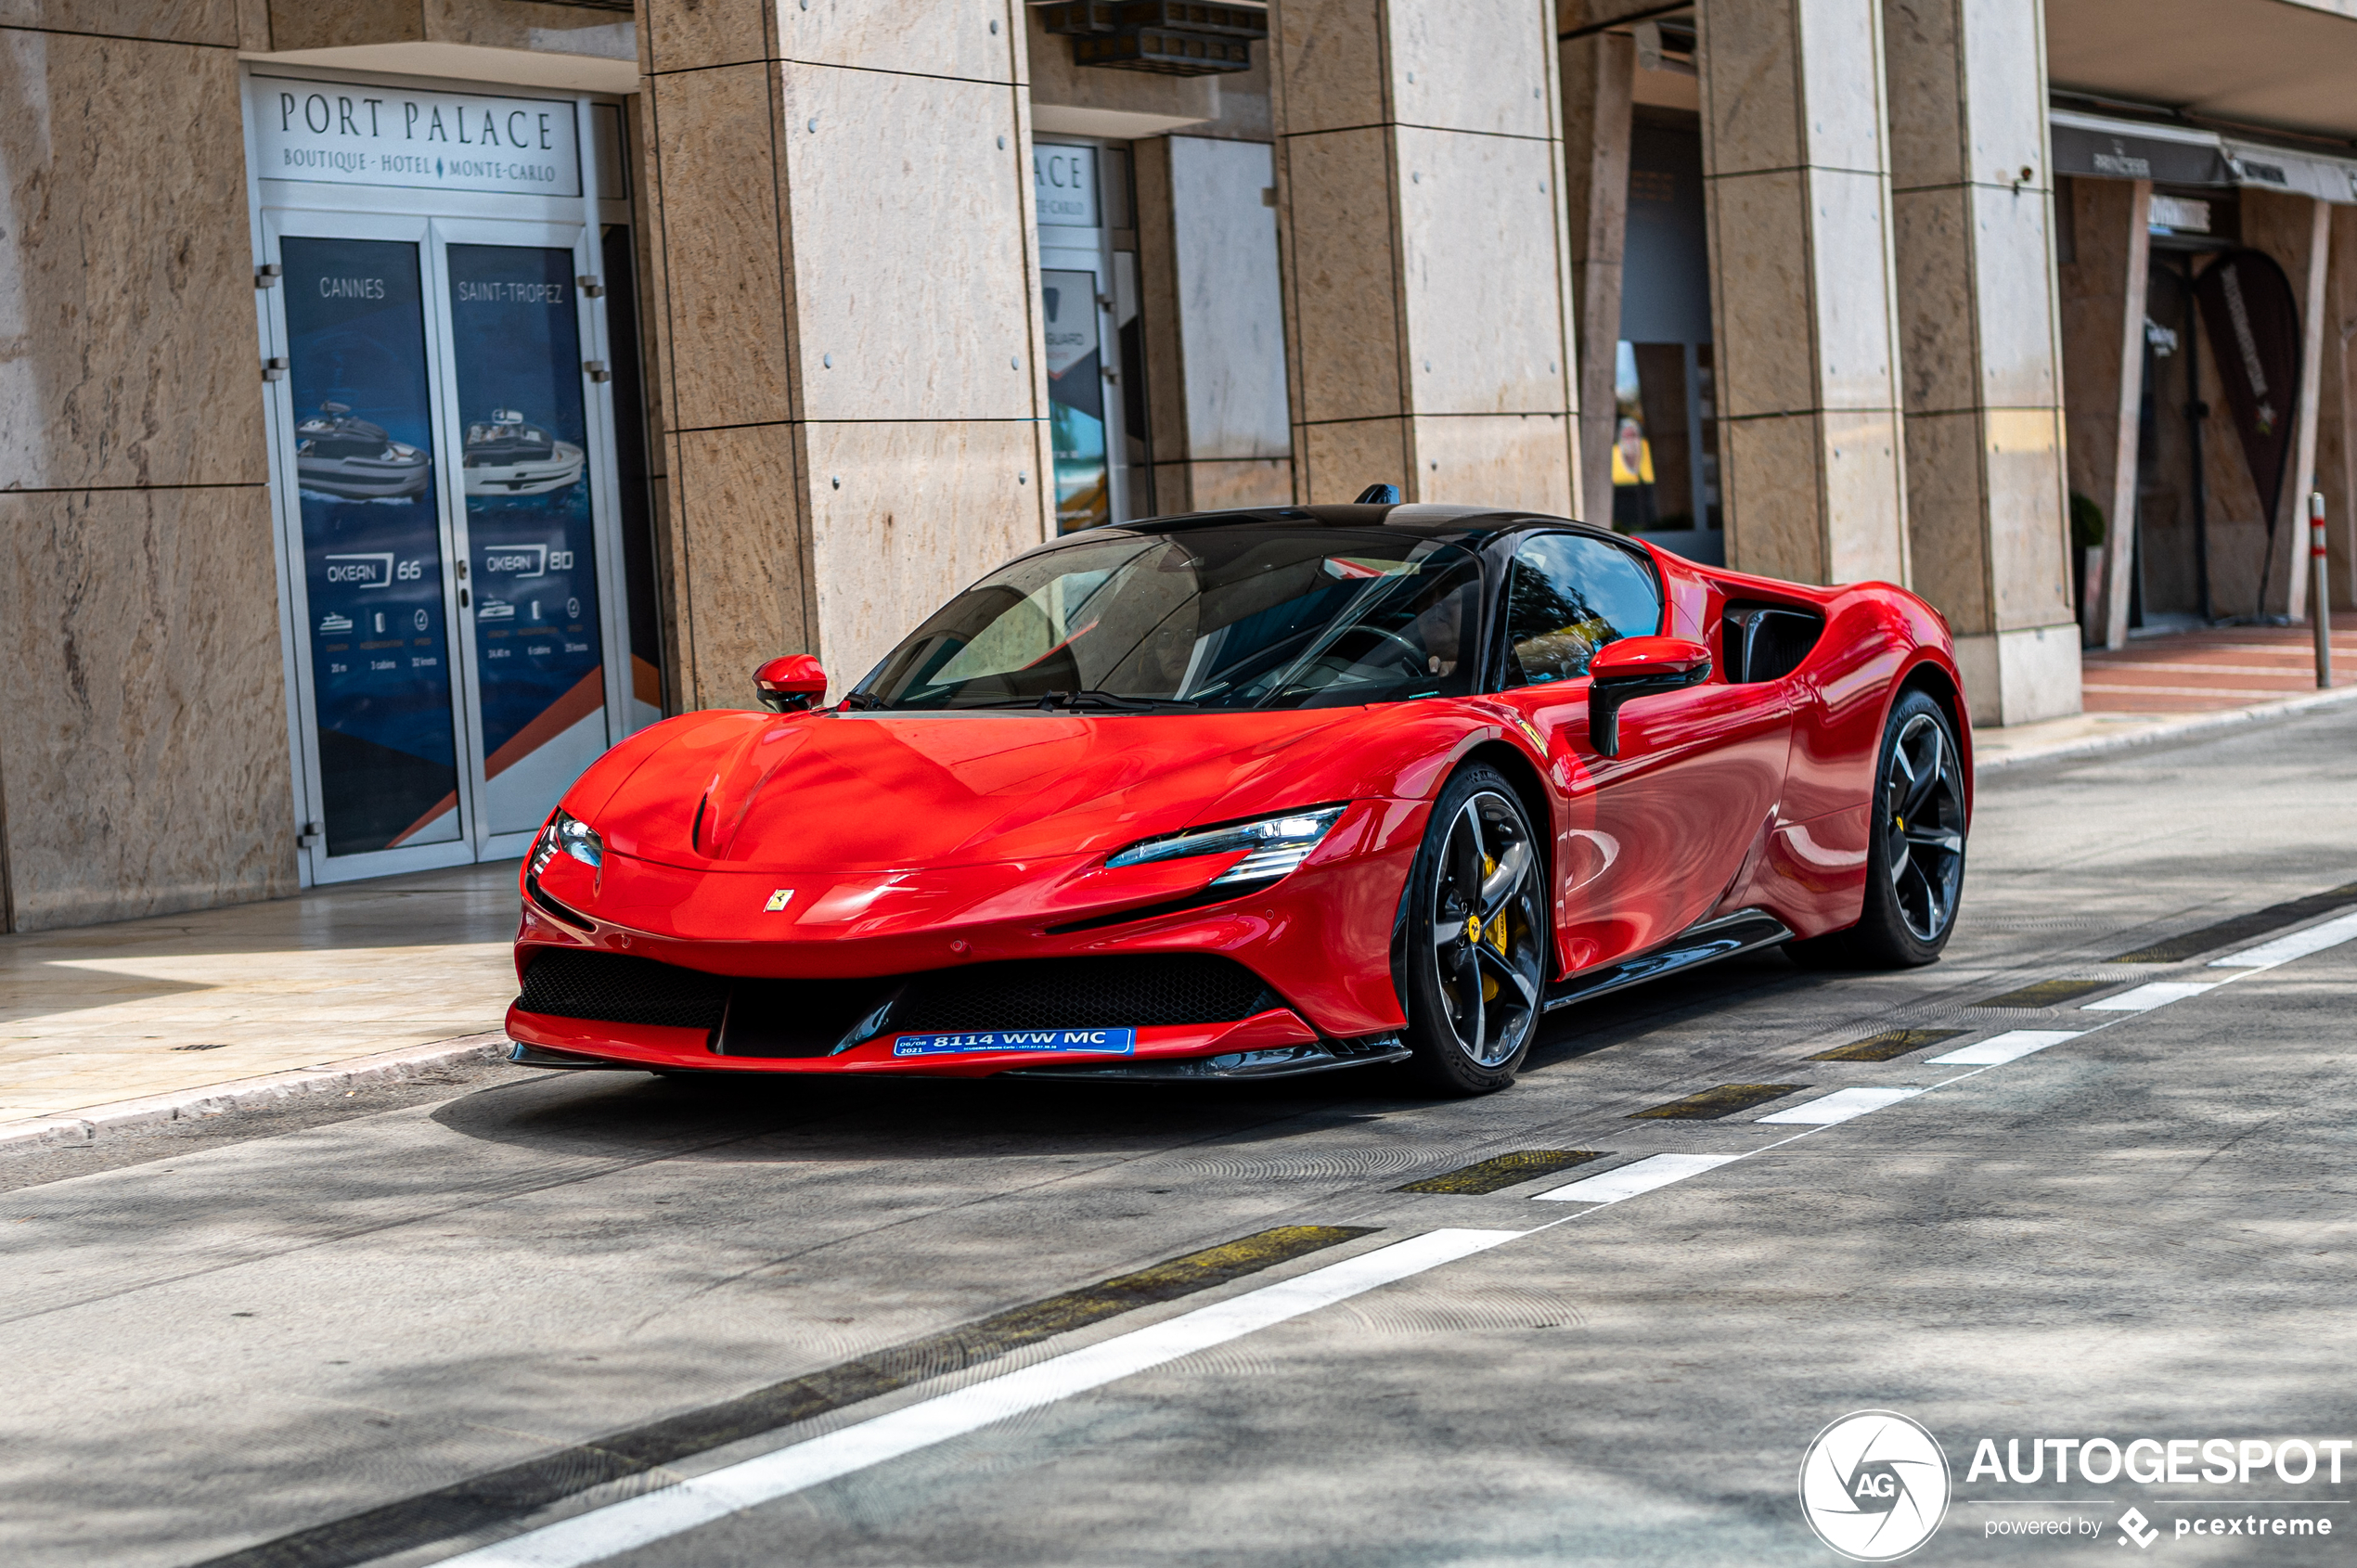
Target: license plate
(1106,1042)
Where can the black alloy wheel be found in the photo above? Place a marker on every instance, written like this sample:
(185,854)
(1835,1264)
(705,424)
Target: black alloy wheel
(1915,853)
(1476,937)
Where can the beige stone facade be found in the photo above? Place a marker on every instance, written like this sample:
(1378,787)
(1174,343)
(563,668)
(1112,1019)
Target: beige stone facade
(1826,289)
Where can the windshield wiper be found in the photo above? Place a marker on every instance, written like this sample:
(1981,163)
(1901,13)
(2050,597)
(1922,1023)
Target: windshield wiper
(1108,700)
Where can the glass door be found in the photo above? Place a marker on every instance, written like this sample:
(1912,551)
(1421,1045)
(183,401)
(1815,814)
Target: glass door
(445,464)
(373,593)
(535,507)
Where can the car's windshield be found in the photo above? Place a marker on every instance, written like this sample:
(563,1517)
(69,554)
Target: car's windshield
(1257,616)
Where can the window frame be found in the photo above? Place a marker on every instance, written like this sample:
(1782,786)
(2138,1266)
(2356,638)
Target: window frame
(1508,545)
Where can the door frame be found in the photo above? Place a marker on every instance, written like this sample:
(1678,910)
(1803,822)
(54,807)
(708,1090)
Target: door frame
(433,219)
(286,511)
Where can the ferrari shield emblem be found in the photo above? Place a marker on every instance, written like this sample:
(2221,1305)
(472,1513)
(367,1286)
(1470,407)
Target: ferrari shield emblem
(779,900)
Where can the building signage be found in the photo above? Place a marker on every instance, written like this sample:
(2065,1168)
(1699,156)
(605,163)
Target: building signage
(1064,182)
(342,132)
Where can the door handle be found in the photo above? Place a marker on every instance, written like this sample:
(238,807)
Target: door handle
(462,598)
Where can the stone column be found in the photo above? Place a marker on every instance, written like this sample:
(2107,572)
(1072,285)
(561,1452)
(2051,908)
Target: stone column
(1599,73)
(1797,180)
(1981,342)
(144,746)
(2296,230)
(2337,441)
(2103,315)
(846,270)
(1426,259)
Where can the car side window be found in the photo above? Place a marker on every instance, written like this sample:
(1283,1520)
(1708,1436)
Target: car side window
(1567,596)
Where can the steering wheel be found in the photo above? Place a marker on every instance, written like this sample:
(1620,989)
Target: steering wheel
(1412,656)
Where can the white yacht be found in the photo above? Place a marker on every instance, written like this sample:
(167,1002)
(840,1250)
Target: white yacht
(337,455)
(505,455)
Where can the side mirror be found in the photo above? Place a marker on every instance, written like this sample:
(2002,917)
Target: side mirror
(790,684)
(1635,667)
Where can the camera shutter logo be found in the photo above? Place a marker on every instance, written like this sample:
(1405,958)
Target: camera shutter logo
(1874,1485)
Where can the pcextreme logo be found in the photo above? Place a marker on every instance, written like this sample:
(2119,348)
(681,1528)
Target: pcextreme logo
(1874,1485)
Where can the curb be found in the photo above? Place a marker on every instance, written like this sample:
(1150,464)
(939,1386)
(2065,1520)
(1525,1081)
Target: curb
(188,1105)
(2096,745)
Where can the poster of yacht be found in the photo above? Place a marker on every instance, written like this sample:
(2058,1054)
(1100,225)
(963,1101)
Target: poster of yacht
(381,658)
(515,326)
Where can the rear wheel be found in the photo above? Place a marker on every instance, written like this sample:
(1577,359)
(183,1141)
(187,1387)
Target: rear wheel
(1477,937)
(1914,852)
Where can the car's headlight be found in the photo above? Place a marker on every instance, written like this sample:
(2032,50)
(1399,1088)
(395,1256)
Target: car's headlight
(569,835)
(1274,845)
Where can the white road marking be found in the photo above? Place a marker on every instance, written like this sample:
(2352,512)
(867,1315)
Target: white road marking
(2160,994)
(2283,949)
(1629,1180)
(1840,1106)
(622,1527)
(2011,1045)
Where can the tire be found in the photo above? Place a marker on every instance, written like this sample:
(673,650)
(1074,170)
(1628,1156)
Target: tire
(1914,849)
(1474,1002)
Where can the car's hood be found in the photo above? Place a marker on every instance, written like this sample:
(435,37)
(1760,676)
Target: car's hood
(833,791)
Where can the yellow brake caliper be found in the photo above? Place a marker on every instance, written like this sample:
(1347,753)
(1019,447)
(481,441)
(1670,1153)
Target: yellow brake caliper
(1495,935)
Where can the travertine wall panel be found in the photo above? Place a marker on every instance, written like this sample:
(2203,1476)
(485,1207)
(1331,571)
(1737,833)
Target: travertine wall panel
(1336,461)
(1341,286)
(742,562)
(1514,461)
(1778,455)
(1332,63)
(857,403)
(920,325)
(1857,357)
(127,350)
(144,736)
(1981,338)
(953,38)
(143,744)
(707,33)
(1765,348)
(725,316)
(1468,203)
(178,22)
(1428,262)
(1448,72)
(1798,191)
(924,508)
(1211,485)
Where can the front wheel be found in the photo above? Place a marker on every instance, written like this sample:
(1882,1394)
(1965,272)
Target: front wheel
(1914,849)
(1477,937)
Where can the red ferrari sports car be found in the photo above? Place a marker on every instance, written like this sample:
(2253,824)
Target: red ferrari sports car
(1251,793)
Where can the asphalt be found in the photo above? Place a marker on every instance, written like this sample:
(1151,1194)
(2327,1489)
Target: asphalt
(323,1327)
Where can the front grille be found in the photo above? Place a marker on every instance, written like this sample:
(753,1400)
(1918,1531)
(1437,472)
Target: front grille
(1084,993)
(614,988)
(811,1017)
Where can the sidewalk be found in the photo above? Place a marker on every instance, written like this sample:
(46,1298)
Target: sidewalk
(2180,683)
(158,1011)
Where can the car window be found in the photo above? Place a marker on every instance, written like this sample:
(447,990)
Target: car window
(1247,617)
(1567,596)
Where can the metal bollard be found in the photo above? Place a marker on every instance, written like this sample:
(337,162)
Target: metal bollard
(2319,595)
